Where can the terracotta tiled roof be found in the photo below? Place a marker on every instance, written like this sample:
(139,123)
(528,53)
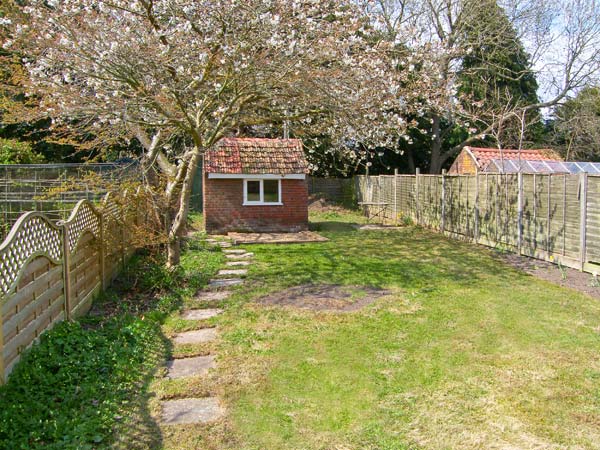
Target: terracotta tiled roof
(256,156)
(484,156)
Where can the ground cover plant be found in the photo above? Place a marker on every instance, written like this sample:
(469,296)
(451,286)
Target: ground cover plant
(85,384)
(464,352)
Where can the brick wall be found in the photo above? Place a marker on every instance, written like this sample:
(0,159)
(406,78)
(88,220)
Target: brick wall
(463,165)
(223,210)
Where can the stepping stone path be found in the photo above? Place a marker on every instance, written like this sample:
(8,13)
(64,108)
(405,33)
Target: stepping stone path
(239,272)
(201,314)
(196,336)
(237,263)
(240,256)
(191,410)
(187,367)
(212,296)
(203,410)
(224,282)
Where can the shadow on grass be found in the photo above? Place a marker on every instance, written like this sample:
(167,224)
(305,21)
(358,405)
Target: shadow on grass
(333,226)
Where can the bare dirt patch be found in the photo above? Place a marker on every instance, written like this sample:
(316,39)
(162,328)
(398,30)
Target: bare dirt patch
(320,204)
(325,297)
(571,278)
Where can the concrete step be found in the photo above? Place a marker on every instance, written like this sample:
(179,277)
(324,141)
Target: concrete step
(236,251)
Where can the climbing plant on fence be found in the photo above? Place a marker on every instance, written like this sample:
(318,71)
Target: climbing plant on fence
(50,271)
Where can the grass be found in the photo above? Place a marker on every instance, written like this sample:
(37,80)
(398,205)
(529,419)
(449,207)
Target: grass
(464,352)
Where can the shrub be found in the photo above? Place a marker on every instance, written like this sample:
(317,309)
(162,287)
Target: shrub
(17,152)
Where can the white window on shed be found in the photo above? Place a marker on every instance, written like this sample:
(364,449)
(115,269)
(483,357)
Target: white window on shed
(262,192)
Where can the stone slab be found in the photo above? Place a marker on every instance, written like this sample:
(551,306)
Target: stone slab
(276,238)
(187,367)
(196,336)
(239,272)
(240,256)
(212,296)
(224,244)
(224,282)
(191,410)
(201,314)
(238,263)
(235,251)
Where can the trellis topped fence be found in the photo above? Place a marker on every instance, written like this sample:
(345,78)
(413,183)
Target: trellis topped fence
(51,272)
(553,217)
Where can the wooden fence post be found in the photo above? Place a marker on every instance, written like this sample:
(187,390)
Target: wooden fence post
(2,374)
(476,231)
(66,270)
(417,214)
(583,184)
(123,224)
(395,196)
(443,221)
(548,206)
(102,250)
(520,213)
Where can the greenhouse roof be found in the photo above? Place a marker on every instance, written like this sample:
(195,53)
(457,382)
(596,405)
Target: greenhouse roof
(528,166)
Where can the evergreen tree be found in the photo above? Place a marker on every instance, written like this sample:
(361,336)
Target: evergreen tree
(495,76)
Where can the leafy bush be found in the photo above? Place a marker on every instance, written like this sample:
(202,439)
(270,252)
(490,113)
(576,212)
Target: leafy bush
(17,152)
(68,390)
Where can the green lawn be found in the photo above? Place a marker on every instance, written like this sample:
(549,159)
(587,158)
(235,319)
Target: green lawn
(465,353)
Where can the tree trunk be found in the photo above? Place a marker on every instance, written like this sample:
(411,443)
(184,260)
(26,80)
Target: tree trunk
(411,160)
(436,162)
(179,223)
(173,252)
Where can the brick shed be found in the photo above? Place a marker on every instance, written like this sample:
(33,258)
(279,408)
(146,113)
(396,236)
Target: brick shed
(472,160)
(255,185)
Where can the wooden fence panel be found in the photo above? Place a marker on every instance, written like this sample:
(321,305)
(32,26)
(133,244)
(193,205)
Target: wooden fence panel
(386,195)
(555,217)
(51,272)
(593,220)
(430,201)
(459,210)
(37,303)
(406,196)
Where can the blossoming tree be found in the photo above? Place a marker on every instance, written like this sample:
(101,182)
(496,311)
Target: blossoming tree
(181,74)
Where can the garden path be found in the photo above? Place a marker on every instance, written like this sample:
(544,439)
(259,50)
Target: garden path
(207,409)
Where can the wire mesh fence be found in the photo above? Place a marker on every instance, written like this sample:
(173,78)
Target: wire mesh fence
(54,188)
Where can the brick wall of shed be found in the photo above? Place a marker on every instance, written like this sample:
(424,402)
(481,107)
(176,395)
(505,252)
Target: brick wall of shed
(463,165)
(224,212)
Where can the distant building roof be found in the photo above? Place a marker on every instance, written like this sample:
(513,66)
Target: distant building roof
(255,156)
(484,155)
(481,159)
